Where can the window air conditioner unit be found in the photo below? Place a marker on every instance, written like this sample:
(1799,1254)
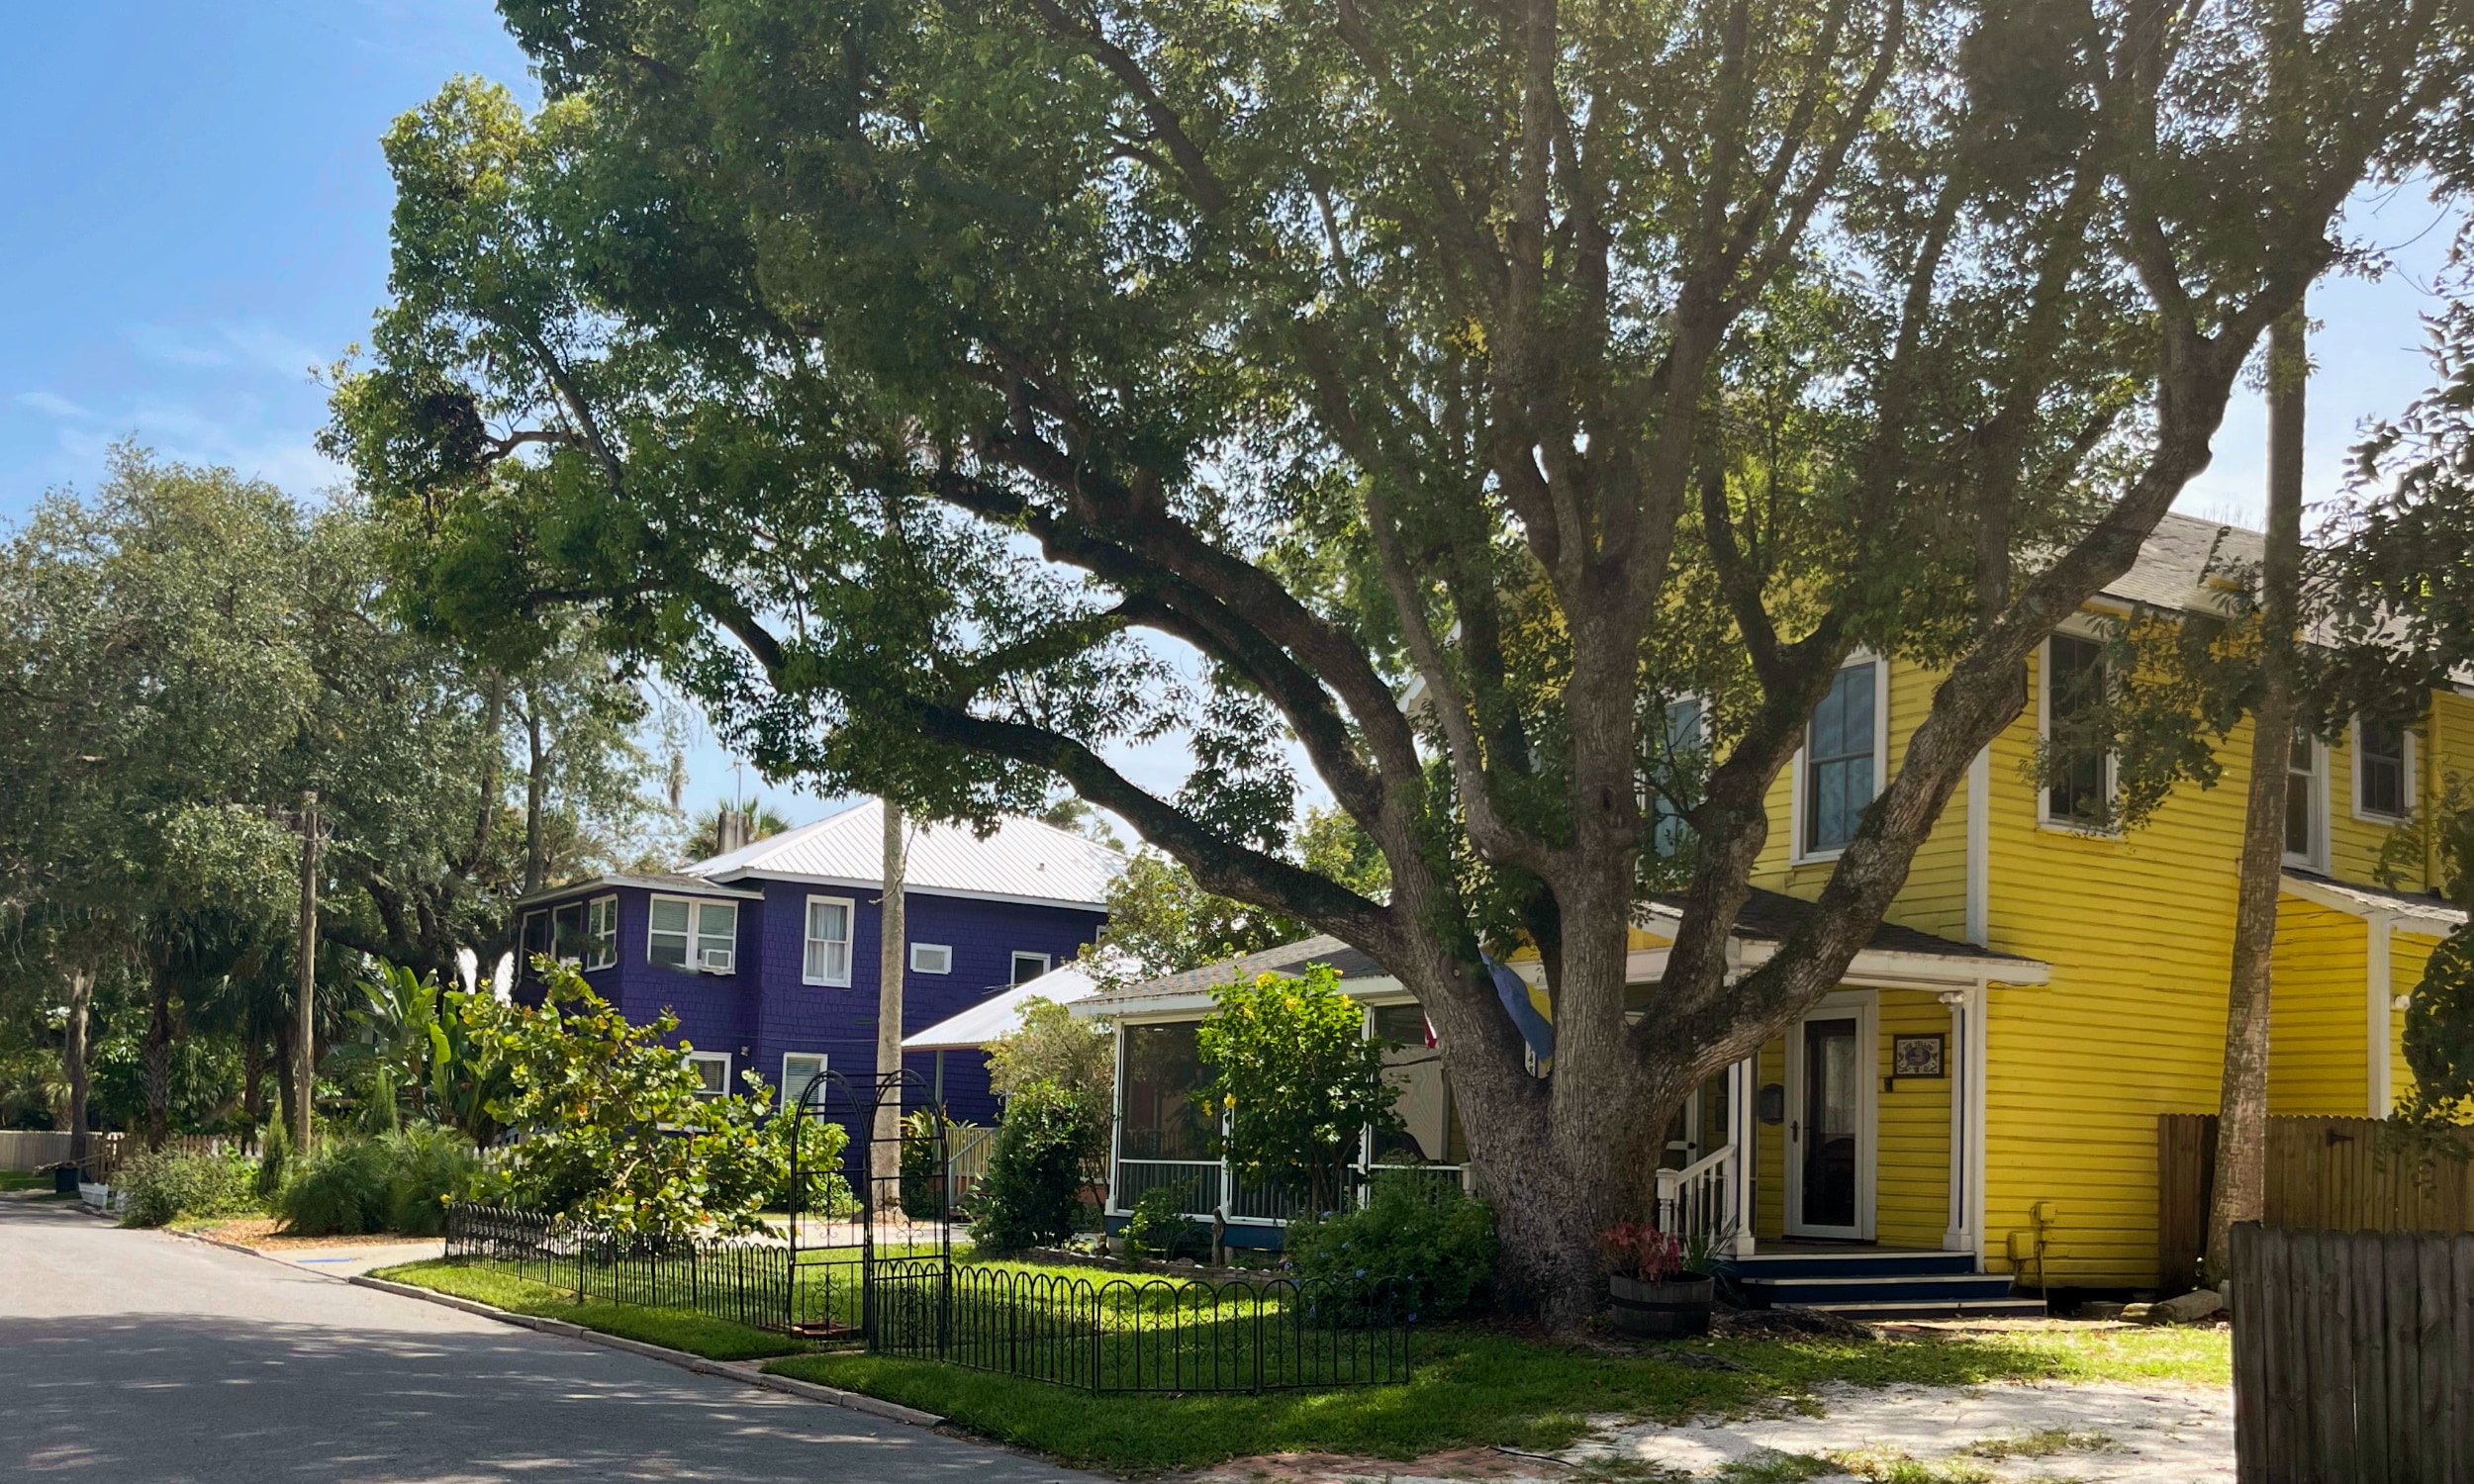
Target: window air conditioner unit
(715,961)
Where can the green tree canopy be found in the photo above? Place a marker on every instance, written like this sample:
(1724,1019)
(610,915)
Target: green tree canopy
(1459,390)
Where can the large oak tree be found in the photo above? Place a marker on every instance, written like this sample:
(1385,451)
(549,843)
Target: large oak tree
(1463,382)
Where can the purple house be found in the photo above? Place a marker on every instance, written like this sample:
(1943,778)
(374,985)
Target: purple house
(768,953)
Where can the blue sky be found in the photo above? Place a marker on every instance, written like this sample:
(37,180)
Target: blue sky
(197,215)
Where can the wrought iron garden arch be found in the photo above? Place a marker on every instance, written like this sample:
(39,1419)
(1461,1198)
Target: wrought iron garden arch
(891,1242)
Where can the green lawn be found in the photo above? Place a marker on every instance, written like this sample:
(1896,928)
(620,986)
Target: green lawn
(24,1179)
(1473,1385)
(1476,1386)
(714,1338)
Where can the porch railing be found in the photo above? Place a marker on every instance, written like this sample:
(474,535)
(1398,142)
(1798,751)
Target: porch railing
(1695,1203)
(1199,1178)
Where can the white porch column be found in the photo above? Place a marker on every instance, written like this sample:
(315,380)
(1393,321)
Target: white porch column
(1959,1235)
(1740,1128)
(2378,1003)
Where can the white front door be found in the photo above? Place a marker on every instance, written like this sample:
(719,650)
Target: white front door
(1830,1106)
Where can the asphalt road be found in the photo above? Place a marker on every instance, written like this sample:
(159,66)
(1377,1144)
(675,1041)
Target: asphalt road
(136,1355)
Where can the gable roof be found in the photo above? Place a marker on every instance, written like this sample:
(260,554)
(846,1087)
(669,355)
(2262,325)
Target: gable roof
(1024,861)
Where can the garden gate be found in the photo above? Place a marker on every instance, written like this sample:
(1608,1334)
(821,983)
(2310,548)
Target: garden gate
(863,1245)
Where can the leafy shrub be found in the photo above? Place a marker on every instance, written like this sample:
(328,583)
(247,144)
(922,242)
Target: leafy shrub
(919,1165)
(342,1189)
(432,1165)
(274,1159)
(1160,1227)
(820,1147)
(398,1183)
(1427,1247)
(165,1186)
(618,1132)
(1035,1177)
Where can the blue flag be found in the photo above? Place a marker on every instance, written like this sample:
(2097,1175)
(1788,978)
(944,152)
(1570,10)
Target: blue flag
(1535,1028)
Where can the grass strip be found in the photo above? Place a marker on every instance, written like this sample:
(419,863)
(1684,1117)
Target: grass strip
(1477,1386)
(713,1339)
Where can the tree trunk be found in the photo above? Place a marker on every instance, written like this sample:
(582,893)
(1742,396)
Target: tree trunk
(305,1028)
(884,1146)
(2242,1104)
(73,1058)
(284,1088)
(253,1080)
(158,1054)
(536,863)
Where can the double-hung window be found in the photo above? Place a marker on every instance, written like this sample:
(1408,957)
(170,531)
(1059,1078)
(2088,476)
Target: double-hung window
(2381,772)
(600,932)
(1842,766)
(2078,777)
(713,1073)
(2304,758)
(827,957)
(798,1068)
(688,934)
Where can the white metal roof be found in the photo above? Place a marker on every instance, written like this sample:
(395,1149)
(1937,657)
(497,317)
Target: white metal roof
(1001,1014)
(1023,861)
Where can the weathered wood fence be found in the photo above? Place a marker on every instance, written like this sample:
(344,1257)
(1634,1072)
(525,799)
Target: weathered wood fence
(2353,1357)
(2337,1174)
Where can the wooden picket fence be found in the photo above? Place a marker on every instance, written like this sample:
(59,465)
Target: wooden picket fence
(2353,1357)
(2337,1174)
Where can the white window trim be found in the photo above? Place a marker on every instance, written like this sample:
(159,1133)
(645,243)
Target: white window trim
(946,949)
(790,1094)
(693,1057)
(2318,859)
(602,950)
(1046,963)
(523,936)
(694,932)
(2404,763)
(583,916)
(850,922)
(1797,855)
(2076,629)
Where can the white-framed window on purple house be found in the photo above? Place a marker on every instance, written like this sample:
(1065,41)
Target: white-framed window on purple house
(827,959)
(1028,966)
(600,932)
(685,933)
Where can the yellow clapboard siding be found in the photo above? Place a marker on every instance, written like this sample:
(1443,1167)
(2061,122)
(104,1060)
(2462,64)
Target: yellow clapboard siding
(2319,1005)
(1911,1181)
(2137,931)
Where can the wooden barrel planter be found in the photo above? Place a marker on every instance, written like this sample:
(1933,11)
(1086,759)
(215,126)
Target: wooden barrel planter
(1672,1310)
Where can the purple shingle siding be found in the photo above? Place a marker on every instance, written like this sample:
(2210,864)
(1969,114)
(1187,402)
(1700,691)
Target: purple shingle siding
(763,1010)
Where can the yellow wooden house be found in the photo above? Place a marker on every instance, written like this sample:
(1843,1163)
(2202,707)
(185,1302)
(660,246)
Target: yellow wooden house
(1977,1105)
(2034,1149)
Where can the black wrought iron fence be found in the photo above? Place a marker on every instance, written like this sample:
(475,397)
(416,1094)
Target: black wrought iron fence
(745,1280)
(1155,1335)
(1133,1333)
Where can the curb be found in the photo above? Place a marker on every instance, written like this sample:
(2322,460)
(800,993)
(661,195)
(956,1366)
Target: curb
(735,1370)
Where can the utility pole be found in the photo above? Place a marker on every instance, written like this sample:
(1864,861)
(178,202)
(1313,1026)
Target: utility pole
(2242,1099)
(305,1054)
(885,1139)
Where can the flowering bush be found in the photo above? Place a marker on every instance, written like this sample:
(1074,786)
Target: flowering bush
(1638,1251)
